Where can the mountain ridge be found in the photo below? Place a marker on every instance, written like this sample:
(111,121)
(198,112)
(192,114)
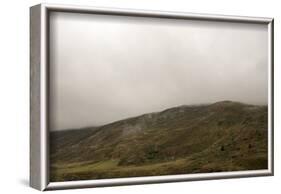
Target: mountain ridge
(216,132)
(151,113)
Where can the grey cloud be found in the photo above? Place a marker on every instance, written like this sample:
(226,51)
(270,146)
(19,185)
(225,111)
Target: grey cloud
(106,68)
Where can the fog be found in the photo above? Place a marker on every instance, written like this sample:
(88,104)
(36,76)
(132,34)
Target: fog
(106,68)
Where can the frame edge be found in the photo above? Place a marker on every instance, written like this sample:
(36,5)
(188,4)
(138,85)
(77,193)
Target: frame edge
(156,13)
(271,64)
(35,176)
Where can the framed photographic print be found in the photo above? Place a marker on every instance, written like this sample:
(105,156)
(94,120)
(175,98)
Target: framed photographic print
(123,97)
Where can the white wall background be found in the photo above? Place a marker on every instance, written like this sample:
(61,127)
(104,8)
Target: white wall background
(14,96)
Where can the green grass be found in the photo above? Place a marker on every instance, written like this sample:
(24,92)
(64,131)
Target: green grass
(111,168)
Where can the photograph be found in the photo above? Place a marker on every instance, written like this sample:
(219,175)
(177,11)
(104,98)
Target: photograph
(132,96)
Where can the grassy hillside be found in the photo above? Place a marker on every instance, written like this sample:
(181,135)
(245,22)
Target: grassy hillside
(224,136)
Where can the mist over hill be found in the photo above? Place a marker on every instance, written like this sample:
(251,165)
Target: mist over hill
(223,136)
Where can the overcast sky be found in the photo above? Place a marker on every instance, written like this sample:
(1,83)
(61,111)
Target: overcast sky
(106,68)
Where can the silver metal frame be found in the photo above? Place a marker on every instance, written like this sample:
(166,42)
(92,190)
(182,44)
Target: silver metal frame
(39,87)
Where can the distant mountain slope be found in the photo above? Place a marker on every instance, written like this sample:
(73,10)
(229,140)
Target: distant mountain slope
(223,136)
